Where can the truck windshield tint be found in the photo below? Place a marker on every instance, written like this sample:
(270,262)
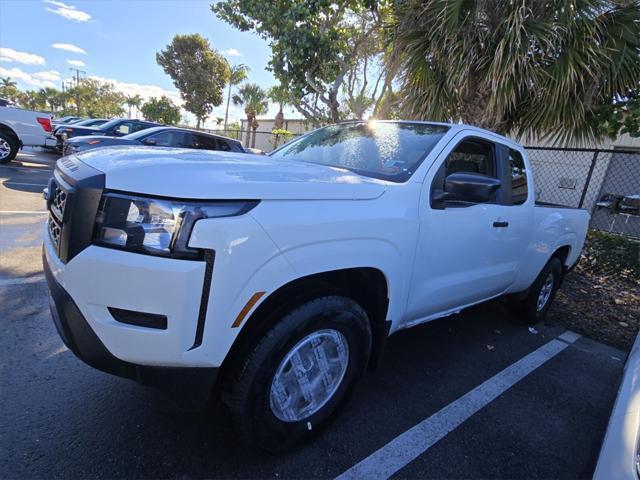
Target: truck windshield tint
(385,150)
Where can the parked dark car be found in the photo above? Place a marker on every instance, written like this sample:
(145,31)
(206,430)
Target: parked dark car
(91,122)
(68,120)
(157,137)
(118,127)
(5,102)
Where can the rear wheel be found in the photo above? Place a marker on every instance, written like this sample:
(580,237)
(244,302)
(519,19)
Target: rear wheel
(299,373)
(533,308)
(8,148)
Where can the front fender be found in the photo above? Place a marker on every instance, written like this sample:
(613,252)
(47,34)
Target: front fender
(327,256)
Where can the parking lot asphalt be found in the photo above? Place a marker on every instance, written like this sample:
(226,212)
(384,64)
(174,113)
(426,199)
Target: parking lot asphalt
(474,395)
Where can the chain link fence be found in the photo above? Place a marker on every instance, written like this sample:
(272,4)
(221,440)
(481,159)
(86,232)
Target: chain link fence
(605,182)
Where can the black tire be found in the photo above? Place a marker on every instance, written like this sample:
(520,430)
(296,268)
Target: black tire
(13,145)
(528,308)
(247,395)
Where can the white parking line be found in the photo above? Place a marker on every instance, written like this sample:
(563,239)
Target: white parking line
(409,445)
(7,282)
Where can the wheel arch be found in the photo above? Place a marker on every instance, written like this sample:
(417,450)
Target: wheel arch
(367,286)
(4,128)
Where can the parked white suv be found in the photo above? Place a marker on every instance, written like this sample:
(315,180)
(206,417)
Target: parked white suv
(276,280)
(19,127)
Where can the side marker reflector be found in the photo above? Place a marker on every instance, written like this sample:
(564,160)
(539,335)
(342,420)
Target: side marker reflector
(247,308)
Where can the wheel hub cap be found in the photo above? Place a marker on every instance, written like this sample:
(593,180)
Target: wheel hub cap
(545,291)
(5,148)
(309,375)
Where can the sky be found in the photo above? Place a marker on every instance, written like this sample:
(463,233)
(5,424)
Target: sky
(114,40)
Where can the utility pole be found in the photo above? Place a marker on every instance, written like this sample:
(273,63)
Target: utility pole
(78,72)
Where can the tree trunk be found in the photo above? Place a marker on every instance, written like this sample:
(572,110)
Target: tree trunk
(129,111)
(279,120)
(198,121)
(254,126)
(334,106)
(249,121)
(226,112)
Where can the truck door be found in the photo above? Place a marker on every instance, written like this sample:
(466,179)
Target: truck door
(461,256)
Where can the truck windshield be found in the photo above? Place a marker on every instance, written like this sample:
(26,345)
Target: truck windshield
(385,150)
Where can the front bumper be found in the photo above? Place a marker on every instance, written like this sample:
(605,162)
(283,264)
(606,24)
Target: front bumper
(80,338)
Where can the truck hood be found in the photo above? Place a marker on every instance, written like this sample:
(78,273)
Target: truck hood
(201,174)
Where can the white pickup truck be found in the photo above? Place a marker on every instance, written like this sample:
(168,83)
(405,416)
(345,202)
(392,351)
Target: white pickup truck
(274,281)
(19,127)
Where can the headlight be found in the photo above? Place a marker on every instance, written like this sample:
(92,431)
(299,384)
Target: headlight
(157,226)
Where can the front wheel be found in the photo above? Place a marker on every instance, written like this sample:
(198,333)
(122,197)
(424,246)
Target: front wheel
(533,308)
(299,373)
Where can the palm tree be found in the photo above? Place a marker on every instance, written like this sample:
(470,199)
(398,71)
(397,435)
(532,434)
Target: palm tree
(8,89)
(51,96)
(254,99)
(133,101)
(6,82)
(279,95)
(525,67)
(238,75)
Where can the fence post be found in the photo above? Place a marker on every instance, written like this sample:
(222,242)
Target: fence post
(588,180)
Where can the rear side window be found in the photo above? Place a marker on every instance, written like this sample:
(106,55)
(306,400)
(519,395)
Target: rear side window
(224,146)
(471,156)
(137,126)
(205,143)
(519,191)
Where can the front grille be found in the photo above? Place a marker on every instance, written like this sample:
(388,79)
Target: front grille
(74,193)
(58,201)
(55,230)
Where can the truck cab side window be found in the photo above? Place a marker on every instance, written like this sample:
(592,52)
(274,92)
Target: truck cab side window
(471,156)
(519,191)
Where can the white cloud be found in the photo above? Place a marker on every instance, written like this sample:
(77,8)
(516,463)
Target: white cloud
(40,79)
(11,55)
(51,75)
(68,11)
(232,52)
(68,47)
(76,63)
(145,91)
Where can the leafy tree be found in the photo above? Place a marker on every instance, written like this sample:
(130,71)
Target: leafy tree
(622,116)
(161,110)
(254,99)
(198,72)
(98,99)
(526,67)
(237,75)
(234,130)
(314,44)
(32,100)
(133,101)
(9,89)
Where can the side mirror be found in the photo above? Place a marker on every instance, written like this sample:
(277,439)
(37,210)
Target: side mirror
(466,187)
(149,141)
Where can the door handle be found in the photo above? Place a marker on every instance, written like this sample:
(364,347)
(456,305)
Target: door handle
(500,224)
